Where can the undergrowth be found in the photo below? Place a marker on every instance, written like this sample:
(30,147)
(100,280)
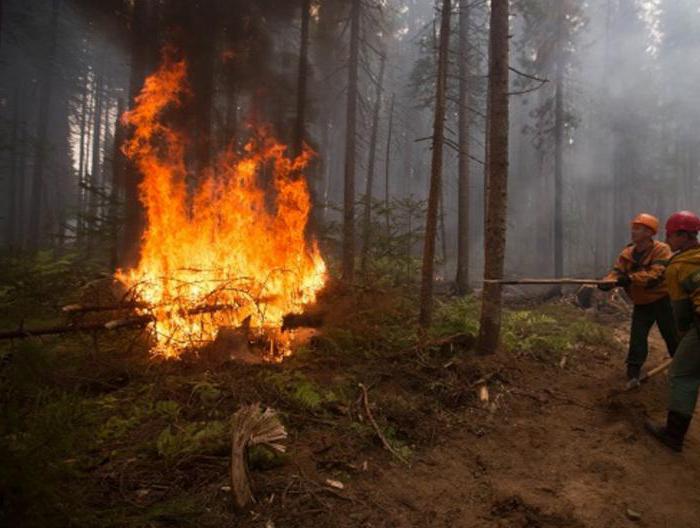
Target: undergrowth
(109,438)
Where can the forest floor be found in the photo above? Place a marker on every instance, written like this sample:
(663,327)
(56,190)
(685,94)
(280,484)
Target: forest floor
(108,437)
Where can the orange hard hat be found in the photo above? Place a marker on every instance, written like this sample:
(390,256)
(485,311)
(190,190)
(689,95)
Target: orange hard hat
(647,220)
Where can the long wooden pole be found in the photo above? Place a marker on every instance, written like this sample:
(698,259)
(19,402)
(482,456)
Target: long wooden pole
(593,282)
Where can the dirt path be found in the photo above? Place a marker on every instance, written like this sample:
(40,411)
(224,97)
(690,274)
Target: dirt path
(556,452)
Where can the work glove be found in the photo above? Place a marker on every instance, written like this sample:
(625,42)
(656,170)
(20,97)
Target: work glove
(623,281)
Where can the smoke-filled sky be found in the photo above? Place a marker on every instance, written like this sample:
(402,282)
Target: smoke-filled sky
(630,110)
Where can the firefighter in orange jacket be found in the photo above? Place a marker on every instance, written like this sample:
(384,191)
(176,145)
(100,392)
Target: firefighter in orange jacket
(640,271)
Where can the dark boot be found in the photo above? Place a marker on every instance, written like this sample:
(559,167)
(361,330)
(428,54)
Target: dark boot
(673,433)
(633,371)
(634,374)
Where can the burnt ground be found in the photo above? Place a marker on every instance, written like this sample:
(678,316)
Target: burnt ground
(109,437)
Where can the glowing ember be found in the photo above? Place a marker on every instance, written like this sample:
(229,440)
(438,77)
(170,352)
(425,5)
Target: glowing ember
(227,250)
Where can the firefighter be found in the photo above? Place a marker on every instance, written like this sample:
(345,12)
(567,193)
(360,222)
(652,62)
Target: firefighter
(683,281)
(640,271)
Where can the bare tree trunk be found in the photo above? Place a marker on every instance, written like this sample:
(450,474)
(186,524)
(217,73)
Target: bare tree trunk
(387,165)
(118,164)
(21,187)
(89,133)
(462,279)
(367,217)
(494,246)
(38,188)
(408,165)
(350,153)
(443,227)
(300,132)
(326,165)
(487,149)
(559,158)
(11,224)
(81,163)
(134,217)
(2,2)
(426,293)
(620,208)
(200,42)
(558,179)
(93,182)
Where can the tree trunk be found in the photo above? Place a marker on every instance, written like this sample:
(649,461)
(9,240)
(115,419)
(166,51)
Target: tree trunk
(326,169)
(558,179)
(620,161)
(11,224)
(41,151)
(93,182)
(2,2)
(201,47)
(494,246)
(300,132)
(559,158)
(134,217)
(387,165)
(443,227)
(367,217)
(79,228)
(348,264)
(21,187)
(426,293)
(487,149)
(118,164)
(462,279)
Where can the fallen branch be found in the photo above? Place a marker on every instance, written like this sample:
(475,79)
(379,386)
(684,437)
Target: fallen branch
(290,321)
(251,426)
(385,442)
(21,333)
(87,308)
(129,322)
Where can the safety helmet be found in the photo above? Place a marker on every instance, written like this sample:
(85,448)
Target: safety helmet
(682,221)
(647,220)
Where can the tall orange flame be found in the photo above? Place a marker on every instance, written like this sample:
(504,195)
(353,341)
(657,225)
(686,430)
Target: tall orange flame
(227,250)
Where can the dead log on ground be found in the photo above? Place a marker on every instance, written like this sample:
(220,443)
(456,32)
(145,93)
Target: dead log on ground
(291,321)
(89,308)
(22,333)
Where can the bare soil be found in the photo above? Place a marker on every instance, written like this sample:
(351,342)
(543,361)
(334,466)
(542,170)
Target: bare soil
(555,447)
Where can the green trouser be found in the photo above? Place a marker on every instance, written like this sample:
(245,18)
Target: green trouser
(684,374)
(643,318)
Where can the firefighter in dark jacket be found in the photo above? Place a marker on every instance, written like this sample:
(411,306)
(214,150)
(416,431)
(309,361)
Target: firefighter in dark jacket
(640,271)
(683,280)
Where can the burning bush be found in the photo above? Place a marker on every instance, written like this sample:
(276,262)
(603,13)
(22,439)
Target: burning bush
(219,249)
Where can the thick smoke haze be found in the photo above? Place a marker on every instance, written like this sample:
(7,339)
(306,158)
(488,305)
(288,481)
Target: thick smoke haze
(626,72)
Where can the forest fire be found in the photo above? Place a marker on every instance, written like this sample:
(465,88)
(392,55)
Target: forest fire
(222,251)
